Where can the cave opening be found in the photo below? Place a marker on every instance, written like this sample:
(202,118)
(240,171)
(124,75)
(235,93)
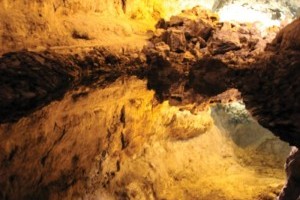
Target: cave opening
(149,99)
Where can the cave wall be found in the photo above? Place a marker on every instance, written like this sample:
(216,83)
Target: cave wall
(117,143)
(95,141)
(30,24)
(42,24)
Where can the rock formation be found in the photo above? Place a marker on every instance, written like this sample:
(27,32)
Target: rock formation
(233,56)
(30,80)
(75,125)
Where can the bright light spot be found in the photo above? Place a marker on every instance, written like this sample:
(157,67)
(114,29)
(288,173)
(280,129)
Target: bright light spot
(242,14)
(187,4)
(262,15)
(175,8)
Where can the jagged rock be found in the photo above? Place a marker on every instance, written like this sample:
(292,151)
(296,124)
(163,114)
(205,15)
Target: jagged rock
(188,57)
(208,77)
(197,53)
(224,40)
(197,28)
(159,36)
(176,40)
(235,58)
(162,47)
(270,88)
(202,42)
(260,85)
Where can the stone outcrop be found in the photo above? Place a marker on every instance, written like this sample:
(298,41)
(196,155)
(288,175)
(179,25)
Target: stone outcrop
(50,23)
(235,58)
(31,80)
(288,38)
(182,67)
(102,134)
(292,187)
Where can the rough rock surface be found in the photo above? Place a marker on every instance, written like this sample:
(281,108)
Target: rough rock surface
(117,143)
(102,141)
(292,187)
(269,87)
(288,38)
(207,67)
(31,80)
(49,23)
(235,58)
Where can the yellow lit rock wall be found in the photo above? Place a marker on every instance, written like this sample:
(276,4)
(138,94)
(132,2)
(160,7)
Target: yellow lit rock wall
(42,24)
(118,141)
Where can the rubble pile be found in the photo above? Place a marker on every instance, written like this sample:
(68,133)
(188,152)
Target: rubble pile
(201,61)
(196,35)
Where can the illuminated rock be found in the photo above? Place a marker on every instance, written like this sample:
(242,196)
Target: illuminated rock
(224,40)
(289,37)
(79,128)
(176,40)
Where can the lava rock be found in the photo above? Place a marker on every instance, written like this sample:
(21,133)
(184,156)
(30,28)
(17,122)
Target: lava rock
(161,24)
(176,21)
(196,29)
(288,37)
(224,40)
(162,47)
(176,40)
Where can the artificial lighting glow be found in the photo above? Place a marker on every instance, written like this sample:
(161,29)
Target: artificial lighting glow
(259,14)
(187,4)
(242,14)
(174,8)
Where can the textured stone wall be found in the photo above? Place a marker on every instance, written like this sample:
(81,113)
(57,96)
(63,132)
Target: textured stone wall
(42,24)
(117,141)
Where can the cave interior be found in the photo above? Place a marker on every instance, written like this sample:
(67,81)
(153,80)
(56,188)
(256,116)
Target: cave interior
(150,99)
